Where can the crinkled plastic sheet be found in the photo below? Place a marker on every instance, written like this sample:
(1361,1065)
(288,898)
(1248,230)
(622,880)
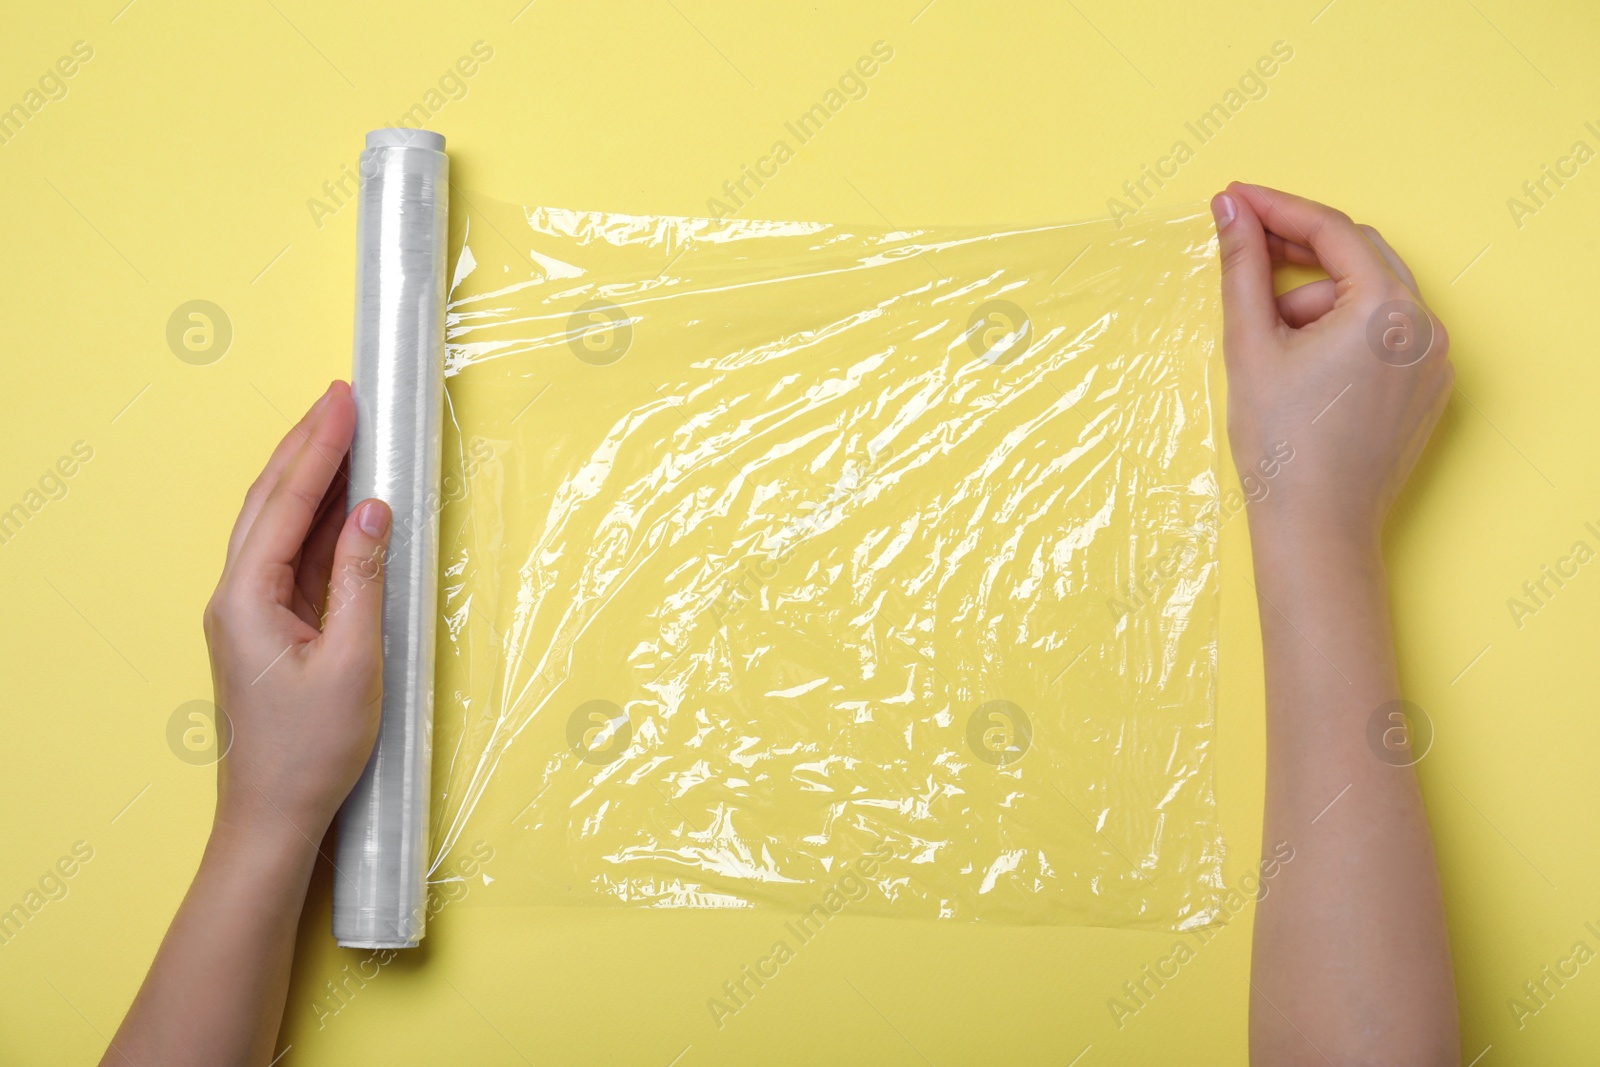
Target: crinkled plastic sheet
(794,563)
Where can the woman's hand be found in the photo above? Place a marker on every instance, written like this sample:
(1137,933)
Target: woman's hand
(1351,962)
(294,633)
(1351,372)
(296,656)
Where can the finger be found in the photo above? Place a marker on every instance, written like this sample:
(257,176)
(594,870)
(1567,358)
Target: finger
(1342,250)
(1290,252)
(1392,257)
(355,599)
(316,559)
(1307,303)
(281,455)
(1248,310)
(291,507)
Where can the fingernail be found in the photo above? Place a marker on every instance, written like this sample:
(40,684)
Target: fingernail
(374,519)
(1222,209)
(322,401)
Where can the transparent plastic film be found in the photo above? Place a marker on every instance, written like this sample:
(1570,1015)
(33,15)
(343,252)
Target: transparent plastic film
(804,565)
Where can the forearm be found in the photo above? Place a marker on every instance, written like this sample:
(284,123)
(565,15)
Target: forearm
(215,994)
(1351,961)
(294,631)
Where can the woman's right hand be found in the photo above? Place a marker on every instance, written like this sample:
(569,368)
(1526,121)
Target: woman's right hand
(1350,372)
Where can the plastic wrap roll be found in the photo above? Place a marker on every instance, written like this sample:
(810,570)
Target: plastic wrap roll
(380,885)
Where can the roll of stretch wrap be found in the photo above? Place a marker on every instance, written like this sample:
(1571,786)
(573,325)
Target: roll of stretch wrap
(380,883)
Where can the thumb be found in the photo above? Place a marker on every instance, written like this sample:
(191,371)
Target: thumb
(355,597)
(1248,308)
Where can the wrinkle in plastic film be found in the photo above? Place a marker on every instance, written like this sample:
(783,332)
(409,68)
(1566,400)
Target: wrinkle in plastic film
(788,563)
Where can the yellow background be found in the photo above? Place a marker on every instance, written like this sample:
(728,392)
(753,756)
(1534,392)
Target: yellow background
(179,166)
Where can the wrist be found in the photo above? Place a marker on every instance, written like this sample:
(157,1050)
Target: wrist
(263,828)
(1285,545)
(256,871)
